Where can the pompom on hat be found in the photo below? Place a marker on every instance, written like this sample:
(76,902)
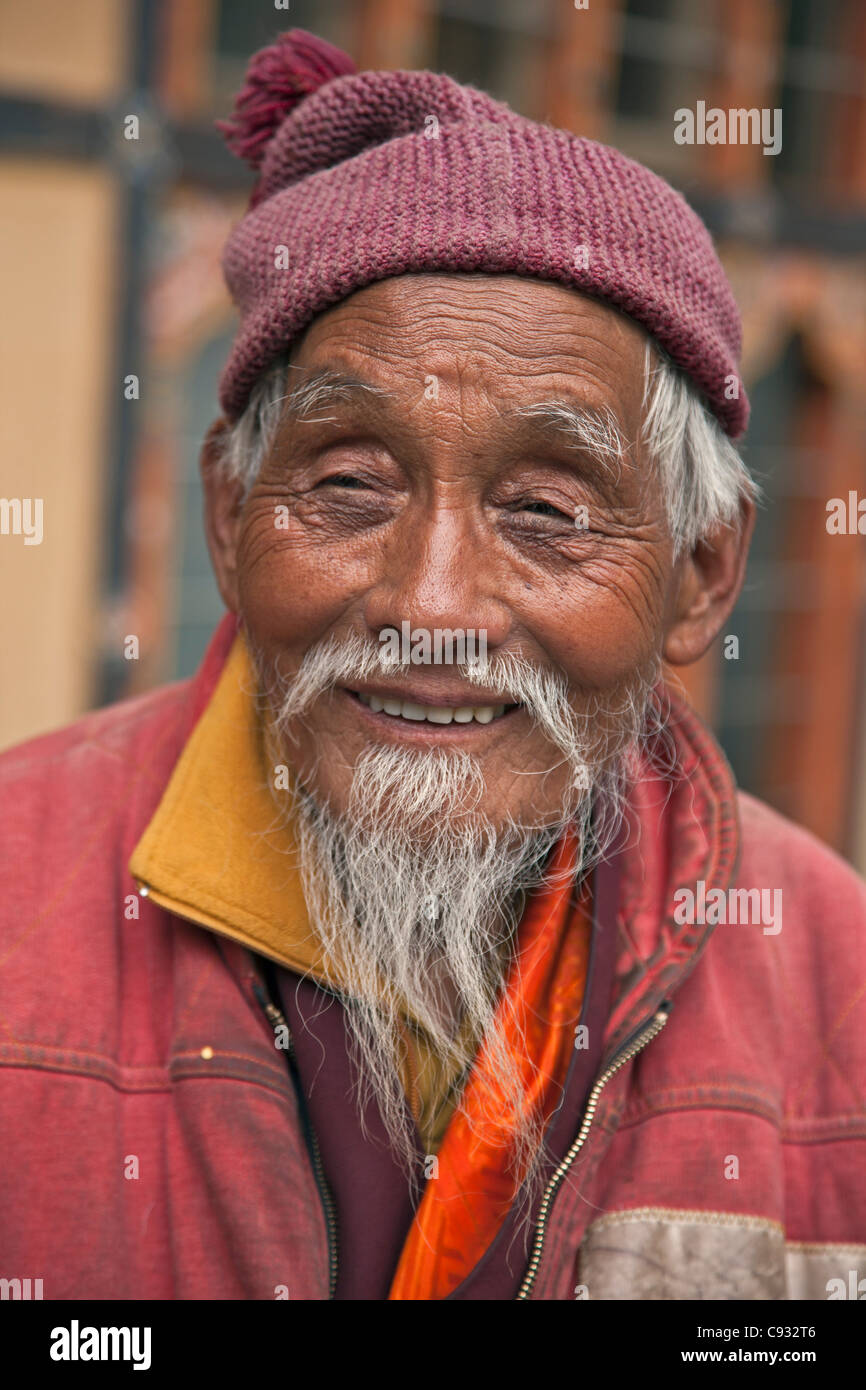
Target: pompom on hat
(363,176)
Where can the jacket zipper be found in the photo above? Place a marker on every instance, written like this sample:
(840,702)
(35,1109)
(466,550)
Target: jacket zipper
(277,1020)
(629,1050)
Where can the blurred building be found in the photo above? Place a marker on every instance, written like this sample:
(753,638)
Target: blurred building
(116,323)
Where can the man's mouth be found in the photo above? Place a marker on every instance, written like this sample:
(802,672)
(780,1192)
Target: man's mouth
(440,714)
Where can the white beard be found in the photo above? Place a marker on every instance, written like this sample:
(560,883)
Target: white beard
(415,896)
(415,915)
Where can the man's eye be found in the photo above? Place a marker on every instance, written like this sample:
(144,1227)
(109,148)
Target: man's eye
(542,509)
(342,480)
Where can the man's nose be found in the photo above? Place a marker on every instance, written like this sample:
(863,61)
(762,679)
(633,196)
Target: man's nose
(438,573)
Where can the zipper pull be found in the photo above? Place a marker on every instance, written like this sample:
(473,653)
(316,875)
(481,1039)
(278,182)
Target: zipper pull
(276,1018)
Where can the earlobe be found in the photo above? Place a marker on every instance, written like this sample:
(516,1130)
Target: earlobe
(710,579)
(223,500)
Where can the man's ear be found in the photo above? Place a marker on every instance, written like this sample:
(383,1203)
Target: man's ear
(223,501)
(710,579)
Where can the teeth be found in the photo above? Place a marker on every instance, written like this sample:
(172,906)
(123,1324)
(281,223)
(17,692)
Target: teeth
(432,714)
(410,711)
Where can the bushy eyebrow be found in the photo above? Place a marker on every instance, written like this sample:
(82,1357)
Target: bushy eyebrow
(592,430)
(322,390)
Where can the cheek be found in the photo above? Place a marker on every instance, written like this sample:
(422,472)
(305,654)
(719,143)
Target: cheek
(604,625)
(289,594)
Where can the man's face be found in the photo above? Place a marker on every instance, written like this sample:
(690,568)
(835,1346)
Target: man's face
(440,438)
(447,497)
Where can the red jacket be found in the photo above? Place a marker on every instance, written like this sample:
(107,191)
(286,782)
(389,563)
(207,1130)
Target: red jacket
(152,1146)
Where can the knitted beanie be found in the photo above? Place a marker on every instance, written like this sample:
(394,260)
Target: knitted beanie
(362,176)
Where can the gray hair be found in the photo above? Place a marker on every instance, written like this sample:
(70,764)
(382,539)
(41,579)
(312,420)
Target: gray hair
(703,476)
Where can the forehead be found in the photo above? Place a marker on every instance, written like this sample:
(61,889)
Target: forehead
(506,337)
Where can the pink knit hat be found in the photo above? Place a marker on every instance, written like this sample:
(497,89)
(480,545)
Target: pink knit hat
(367,175)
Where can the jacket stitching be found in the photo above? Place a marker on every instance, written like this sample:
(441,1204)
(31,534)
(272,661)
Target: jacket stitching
(97,1064)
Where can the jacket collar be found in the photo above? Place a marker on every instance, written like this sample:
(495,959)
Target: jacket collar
(216,851)
(682,827)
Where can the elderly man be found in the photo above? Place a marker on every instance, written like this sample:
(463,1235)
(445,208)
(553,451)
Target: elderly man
(421,947)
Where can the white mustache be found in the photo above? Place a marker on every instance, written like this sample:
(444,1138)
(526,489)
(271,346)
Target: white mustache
(338,660)
(505,676)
